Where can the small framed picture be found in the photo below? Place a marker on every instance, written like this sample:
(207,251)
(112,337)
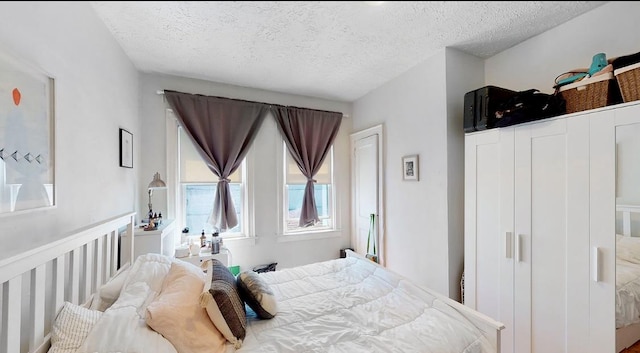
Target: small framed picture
(410,167)
(126,149)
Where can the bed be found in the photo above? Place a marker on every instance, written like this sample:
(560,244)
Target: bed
(627,280)
(343,305)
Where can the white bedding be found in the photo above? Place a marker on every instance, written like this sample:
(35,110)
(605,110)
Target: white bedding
(346,305)
(627,293)
(627,280)
(352,305)
(122,327)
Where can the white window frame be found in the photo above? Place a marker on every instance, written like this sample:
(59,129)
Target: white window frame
(175,194)
(243,196)
(285,235)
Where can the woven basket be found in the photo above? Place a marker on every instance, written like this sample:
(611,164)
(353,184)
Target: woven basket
(596,92)
(628,78)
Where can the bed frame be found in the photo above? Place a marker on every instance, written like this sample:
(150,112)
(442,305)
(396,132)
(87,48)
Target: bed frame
(628,335)
(490,327)
(35,284)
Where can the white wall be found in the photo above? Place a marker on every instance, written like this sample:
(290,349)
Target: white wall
(627,164)
(418,120)
(96,93)
(266,149)
(464,73)
(612,29)
(628,173)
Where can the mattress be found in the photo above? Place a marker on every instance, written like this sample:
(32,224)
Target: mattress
(353,305)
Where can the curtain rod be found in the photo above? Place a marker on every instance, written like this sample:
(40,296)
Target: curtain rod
(161,92)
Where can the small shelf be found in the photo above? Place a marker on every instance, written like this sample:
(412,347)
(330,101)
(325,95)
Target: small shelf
(160,241)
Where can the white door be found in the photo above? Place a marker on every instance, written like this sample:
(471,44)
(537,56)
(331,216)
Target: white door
(366,181)
(606,191)
(552,236)
(488,227)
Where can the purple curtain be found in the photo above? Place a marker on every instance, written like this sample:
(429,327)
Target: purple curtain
(222,130)
(309,135)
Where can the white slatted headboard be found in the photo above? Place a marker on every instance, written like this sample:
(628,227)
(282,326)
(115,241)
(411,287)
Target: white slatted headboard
(627,211)
(35,284)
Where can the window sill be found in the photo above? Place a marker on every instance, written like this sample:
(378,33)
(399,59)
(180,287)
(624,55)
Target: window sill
(321,234)
(240,241)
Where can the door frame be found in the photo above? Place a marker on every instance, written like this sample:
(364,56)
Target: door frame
(375,130)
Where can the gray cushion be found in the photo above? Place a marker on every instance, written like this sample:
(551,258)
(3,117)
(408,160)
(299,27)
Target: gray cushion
(257,294)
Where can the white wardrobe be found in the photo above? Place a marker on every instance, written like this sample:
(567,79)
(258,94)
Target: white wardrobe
(540,230)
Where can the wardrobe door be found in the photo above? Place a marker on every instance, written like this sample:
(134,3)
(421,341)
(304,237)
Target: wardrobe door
(552,236)
(489,227)
(613,181)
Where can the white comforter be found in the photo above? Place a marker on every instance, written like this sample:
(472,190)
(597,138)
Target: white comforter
(346,305)
(352,305)
(627,293)
(122,327)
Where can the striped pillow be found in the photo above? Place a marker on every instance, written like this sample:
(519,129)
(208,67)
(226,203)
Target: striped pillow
(71,327)
(223,304)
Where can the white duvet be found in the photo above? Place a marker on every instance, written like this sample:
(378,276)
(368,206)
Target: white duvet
(122,327)
(627,293)
(347,305)
(352,305)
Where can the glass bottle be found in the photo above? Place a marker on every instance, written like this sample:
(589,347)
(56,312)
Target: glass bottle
(215,243)
(203,240)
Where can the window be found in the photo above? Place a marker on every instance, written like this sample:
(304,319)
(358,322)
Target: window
(294,184)
(198,186)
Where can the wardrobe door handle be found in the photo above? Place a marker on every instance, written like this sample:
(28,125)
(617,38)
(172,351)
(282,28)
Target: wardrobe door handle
(508,250)
(596,264)
(519,248)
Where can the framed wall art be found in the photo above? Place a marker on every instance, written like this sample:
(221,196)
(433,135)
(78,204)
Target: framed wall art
(126,149)
(410,167)
(27,136)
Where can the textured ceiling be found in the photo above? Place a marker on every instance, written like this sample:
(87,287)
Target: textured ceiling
(332,50)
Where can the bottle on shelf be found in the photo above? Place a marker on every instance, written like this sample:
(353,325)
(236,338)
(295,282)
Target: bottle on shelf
(215,243)
(159,217)
(203,240)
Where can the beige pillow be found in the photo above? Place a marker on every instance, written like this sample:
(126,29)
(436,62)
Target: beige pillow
(177,315)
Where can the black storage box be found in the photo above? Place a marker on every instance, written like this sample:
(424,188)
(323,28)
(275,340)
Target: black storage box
(343,252)
(265,268)
(480,107)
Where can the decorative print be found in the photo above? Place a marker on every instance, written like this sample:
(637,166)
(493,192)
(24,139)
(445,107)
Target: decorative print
(126,149)
(410,167)
(26,137)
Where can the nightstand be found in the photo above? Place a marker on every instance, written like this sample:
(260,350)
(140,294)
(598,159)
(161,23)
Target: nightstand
(222,256)
(160,241)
